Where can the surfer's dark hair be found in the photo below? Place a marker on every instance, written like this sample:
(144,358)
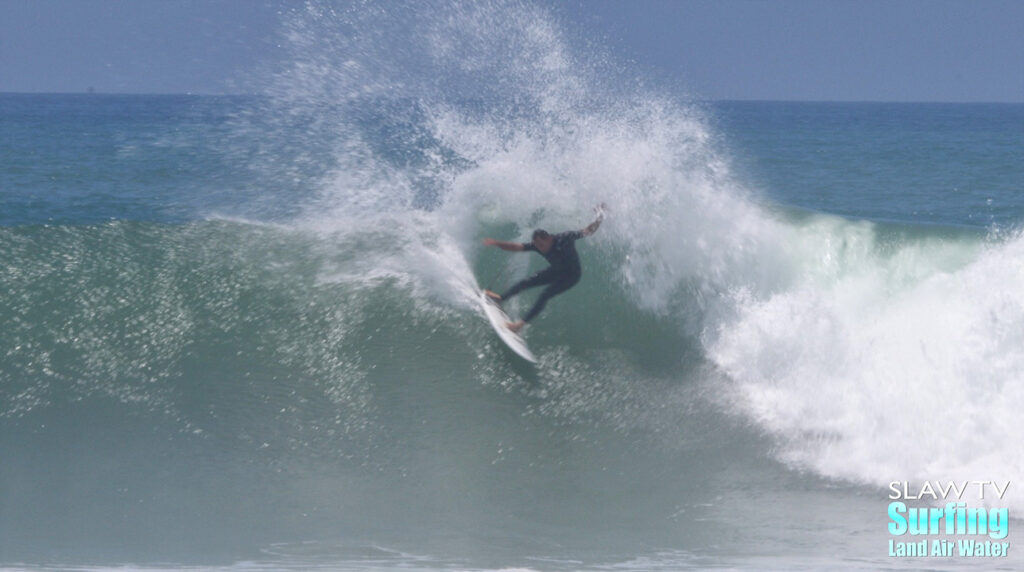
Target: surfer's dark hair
(540,233)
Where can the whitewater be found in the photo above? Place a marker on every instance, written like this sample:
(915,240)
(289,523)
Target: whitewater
(242,333)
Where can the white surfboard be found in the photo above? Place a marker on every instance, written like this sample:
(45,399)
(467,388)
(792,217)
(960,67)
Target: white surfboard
(499,321)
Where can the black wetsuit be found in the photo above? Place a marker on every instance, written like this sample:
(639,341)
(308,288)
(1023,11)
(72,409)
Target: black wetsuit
(563,273)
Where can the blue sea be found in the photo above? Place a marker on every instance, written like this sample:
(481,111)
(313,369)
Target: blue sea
(240,332)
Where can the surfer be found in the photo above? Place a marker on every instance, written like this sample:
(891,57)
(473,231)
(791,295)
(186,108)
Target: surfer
(564,270)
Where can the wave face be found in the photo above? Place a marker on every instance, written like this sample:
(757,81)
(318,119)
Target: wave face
(310,376)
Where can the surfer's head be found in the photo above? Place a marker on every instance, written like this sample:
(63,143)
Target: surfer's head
(542,239)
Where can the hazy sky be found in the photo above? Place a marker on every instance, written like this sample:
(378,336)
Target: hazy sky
(888,50)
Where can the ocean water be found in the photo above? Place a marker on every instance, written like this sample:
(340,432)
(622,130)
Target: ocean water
(239,333)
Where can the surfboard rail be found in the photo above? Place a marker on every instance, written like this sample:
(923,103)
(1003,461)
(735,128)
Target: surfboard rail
(499,321)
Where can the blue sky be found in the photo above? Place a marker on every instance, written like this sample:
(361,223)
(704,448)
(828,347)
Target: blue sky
(899,50)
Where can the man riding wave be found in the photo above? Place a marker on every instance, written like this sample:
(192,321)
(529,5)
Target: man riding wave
(564,270)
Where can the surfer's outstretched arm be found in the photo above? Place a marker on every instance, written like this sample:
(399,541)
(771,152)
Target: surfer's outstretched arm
(592,227)
(504,245)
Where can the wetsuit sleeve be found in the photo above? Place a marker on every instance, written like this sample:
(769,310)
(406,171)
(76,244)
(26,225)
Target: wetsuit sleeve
(572,235)
(528,246)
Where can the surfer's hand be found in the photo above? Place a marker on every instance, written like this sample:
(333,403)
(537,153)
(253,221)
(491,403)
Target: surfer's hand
(490,242)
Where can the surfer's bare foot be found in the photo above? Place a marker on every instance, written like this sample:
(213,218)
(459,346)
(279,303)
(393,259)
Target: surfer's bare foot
(516,326)
(493,296)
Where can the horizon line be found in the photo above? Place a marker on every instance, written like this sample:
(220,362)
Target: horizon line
(695,99)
